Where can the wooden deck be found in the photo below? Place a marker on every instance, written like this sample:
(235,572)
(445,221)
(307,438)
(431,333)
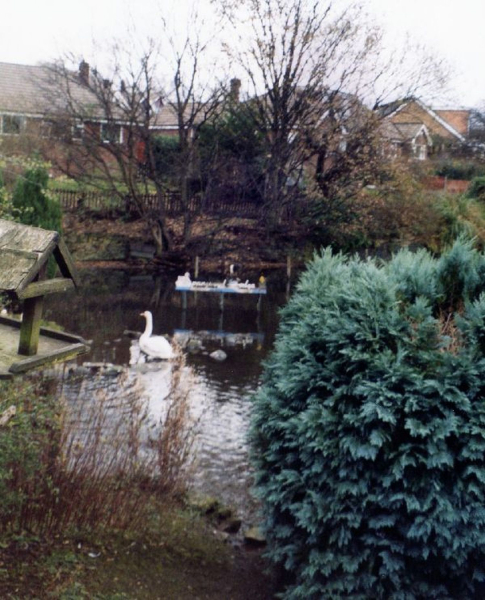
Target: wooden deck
(53,346)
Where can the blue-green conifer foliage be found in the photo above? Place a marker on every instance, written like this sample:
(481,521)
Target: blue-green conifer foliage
(368,432)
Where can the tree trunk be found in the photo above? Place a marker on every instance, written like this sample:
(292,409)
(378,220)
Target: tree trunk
(162,238)
(274,197)
(184,195)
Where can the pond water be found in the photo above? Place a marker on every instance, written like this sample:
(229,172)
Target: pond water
(109,304)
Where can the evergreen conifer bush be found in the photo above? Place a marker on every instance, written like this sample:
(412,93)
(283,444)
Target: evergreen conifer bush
(32,199)
(368,432)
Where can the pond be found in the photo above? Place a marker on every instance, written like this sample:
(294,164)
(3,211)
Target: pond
(108,306)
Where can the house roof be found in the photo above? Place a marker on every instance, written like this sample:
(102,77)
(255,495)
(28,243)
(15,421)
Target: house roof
(39,90)
(410,131)
(166,117)
(404,132)
(459,119)
(388,111)
(19,88)
(23,252)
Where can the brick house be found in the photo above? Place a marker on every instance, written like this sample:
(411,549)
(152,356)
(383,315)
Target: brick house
(36,110)
(405,140)
(411,128)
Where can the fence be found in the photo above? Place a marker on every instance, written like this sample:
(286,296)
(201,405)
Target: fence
(170,203)
(452,186)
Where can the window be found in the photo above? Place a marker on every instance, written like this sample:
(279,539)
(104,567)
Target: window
(63,129)
(77,131)
(421,153)
(342,145)
(12,124)
(111,133)
(56,129)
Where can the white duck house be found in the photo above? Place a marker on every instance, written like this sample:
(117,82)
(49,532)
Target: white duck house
(24,253)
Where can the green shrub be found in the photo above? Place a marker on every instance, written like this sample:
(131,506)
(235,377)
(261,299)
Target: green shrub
(476,189)
(29,446)
(460,170)
(35,206)
(32,198)
(368,432)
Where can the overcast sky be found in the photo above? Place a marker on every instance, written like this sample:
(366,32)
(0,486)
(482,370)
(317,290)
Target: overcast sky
(451,28)
(33,31)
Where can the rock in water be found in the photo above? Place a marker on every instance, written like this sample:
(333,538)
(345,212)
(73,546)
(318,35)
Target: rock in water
(255,536)
(219,355)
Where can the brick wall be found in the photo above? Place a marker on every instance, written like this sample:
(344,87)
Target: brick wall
(453,186)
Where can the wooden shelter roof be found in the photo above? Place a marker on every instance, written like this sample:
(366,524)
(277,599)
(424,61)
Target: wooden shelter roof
(23,252)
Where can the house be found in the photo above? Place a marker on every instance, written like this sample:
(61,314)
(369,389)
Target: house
(165,119)
(31,100)
(168,117)
(405,140)
(42,104)
(411,128)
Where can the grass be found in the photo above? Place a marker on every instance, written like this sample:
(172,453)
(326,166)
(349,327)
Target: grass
(172,559)
(460,214)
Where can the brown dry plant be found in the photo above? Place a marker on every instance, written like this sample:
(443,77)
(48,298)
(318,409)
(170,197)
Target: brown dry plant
(102,462)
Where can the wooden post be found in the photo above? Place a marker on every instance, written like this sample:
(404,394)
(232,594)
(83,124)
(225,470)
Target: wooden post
(196,268)
(221,319)
(288,266)
(30,328)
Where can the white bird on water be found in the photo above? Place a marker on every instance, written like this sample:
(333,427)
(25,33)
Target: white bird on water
(155,346)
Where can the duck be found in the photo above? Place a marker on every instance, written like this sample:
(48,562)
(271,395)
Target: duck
(154,346)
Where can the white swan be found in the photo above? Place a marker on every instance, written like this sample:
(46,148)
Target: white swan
(155,346)
(183,280)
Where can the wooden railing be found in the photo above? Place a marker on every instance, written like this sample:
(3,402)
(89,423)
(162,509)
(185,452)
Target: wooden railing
(170,203)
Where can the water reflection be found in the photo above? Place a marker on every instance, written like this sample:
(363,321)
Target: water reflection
(108,307)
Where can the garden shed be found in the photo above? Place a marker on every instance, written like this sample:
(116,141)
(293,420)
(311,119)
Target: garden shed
(24,255)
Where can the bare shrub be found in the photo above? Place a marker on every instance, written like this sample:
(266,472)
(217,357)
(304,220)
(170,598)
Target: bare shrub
(102,461)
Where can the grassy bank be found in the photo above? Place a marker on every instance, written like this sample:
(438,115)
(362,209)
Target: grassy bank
(181,558)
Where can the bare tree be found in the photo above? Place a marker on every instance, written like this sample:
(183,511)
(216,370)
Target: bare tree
(106,139)
(314,73)
(193,99)
(113,117)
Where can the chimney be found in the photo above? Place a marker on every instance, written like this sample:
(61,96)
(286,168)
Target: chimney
(84,72)
(235,89)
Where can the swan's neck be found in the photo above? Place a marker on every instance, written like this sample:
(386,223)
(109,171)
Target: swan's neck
(149,326)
